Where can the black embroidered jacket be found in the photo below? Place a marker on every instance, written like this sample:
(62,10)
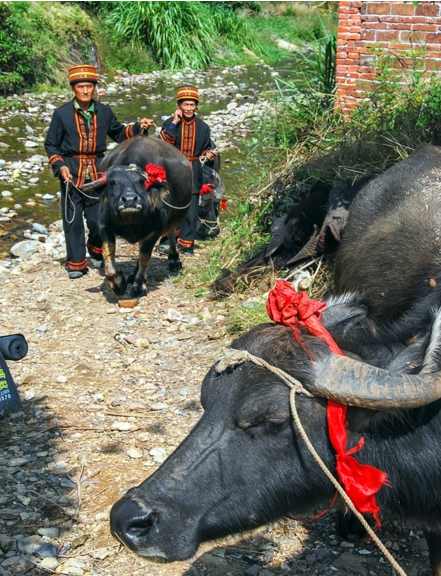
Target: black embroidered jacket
(71,142)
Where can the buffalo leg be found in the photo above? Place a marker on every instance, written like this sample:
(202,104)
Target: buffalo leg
(174,264)
(116,279)
(434,544)
(145,254)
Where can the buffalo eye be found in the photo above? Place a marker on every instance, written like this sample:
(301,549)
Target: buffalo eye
(269,427)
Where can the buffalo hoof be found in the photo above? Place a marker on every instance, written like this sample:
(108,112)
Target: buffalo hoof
(174,265)
(119,285)
(136,290)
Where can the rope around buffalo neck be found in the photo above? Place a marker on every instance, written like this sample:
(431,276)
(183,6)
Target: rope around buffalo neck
(68,198)
(235,357)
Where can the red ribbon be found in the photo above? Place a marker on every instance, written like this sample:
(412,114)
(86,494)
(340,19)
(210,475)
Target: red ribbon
(206,189)
(155,174)
(223,204)
(361,481)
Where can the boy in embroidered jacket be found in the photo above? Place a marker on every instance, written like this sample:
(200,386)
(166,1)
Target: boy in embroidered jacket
(75,144)
(192,137)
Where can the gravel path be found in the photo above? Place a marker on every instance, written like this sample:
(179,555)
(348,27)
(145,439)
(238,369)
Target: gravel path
(108,393)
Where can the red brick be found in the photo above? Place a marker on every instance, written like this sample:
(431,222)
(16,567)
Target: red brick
(368,35)
(426,27)
(427,9)
(433,64)
(347,36)
(400,26)
(405,9)
(398,20)
(349,29)
(387,36)
(367,76)
(433,38)
(419,20)
(375,26)
(378,8)
(417,37)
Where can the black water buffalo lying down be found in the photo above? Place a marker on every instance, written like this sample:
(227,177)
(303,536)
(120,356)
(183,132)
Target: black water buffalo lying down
(391,250)
(145,192)
(245,464)
(288,235)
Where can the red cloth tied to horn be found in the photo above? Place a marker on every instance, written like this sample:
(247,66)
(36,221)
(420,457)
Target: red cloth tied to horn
(155,174)
(206,189)
(361,481)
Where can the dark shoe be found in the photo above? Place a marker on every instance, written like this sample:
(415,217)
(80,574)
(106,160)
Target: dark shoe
(186,251)
(75,274)
(97,263)
(163,248)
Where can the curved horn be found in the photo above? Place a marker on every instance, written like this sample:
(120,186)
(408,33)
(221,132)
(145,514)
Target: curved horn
(95,184)
(355,383)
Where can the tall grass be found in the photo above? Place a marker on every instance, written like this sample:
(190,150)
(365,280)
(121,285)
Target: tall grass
(178,34)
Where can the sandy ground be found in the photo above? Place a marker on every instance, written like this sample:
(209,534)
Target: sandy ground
(108,393)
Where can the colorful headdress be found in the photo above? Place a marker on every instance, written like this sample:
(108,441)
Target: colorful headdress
(82,73)
(187,93)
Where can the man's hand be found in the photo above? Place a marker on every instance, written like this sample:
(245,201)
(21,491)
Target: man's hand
(65,174)
(146,123)
(177,116)
(211,155)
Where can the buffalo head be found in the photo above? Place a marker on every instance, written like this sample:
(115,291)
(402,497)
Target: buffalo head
(127,193)
(245,464)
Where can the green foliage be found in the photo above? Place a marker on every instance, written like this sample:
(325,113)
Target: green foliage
(404,101)
(17,67)
(177,34)
(36,39)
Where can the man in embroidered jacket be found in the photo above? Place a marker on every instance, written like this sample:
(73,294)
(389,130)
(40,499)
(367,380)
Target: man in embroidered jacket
(75,144)
(192,137)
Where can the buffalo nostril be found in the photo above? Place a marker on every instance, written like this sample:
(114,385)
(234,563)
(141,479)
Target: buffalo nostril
(129,522)
(140,527)
(129,198)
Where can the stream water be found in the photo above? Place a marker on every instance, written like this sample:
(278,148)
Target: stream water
(131,97)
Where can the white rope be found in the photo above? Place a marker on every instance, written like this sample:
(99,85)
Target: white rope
(233,358)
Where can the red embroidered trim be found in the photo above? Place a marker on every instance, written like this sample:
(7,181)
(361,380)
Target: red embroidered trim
(361,481)
(94,249)
(185,243)
(56,158)
(77,265)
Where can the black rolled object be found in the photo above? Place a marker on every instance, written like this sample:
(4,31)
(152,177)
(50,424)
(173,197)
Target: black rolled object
(13,347)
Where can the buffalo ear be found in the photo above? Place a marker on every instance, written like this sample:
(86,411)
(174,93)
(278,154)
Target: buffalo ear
(339,319)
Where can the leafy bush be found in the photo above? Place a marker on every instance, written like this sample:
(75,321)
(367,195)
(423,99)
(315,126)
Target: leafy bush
(17,58)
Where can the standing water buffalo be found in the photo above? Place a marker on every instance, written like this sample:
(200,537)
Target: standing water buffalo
(245,464)
(145,192)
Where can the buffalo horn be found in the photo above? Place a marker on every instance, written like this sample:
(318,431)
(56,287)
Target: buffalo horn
(95,184)
(355,383)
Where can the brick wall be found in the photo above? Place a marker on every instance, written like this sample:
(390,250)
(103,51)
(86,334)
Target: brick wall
(396,27)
